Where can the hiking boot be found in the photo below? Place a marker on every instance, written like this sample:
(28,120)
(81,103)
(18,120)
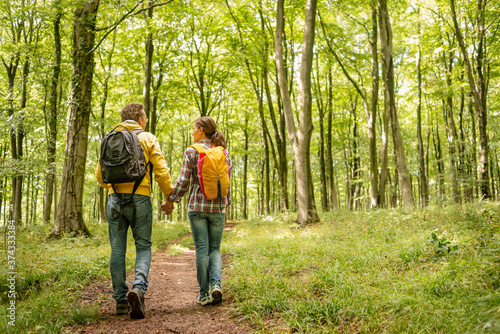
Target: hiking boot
(122,308)
(206,299)
(136,300)
(216,293)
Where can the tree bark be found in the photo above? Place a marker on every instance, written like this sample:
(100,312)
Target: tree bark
(322,167)
(333,191)
(52,120)
(245,171)
(148,64)
(11,75)
(18,194)
(70,211)
(478,89)
(439,162)
(388,75)
(301,138)
(422,176)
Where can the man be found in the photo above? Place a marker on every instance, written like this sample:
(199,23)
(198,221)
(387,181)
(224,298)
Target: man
(134,118)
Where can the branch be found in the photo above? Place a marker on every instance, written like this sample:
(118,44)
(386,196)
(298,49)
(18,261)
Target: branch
(489,25)
(438,15)
(114,26)
(356,85)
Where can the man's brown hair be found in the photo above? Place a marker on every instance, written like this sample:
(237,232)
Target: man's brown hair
(132,111)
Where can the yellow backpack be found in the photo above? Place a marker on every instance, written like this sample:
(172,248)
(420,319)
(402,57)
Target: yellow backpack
(212,171)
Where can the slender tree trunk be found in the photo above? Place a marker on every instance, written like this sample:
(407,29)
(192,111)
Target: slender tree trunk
(52,121)
(384,171)
(478,89)
(388,75)
(27,195)
(18,195)
(148,15)
(422,177)
(451,131)
(348,189)
(322,168)
(301,138)
(70,211)
(280,133)
(371,120)
(11,76)
(245,171)
(355,186)
(268,181)
(439,162)
(463,166)
(154,110)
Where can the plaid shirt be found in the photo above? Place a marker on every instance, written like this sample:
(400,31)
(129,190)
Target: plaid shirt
(189,174)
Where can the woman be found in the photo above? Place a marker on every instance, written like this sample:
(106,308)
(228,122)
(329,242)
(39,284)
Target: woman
(206,217)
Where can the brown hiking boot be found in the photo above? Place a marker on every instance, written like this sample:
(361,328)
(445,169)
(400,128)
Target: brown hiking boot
(136,300)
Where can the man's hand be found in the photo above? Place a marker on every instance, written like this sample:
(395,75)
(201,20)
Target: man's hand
(167,207)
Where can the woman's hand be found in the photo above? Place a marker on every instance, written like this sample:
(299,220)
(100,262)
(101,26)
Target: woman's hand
(167,207)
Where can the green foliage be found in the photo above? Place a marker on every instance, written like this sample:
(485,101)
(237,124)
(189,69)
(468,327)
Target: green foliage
(442,245)
(370,272)
(52,273)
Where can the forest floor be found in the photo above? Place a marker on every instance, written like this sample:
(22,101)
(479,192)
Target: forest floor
(170,301)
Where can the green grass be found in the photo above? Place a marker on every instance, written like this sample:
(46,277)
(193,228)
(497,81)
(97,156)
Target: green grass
(384,271)
(51,274)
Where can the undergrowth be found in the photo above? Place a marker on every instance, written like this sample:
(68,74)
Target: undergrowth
(434,270)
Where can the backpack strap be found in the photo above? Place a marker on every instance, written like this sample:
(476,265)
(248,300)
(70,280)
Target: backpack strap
(198,147)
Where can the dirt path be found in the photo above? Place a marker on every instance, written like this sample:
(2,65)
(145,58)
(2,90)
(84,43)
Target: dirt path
(170,302)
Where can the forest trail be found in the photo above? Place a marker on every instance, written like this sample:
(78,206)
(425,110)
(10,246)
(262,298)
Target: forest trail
(170,302)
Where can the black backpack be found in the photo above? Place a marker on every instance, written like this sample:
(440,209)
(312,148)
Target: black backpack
(122,160)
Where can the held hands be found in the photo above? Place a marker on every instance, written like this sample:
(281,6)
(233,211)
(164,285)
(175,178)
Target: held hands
(167,207)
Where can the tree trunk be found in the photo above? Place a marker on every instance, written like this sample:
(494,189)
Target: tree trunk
(281,165)
(154,110)
(11,76)
(451,131)
(321,111)
(478,89)
(388,75)
(70,211)
(356,180)
(474,148)
(245,171)
(372,114)
(52,121)
(439,162)
(280,133)
(348,189)
(148,15)
(333,191)
(18,195)
(301,138)
(463,167)
(422,177)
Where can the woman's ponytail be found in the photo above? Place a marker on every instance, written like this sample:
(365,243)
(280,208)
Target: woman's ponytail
(218,139)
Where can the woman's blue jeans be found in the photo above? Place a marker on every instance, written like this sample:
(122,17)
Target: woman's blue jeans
(207,228)
(118,240)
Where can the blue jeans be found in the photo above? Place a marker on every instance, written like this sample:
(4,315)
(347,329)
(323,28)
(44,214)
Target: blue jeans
(118,241)
(207,228)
